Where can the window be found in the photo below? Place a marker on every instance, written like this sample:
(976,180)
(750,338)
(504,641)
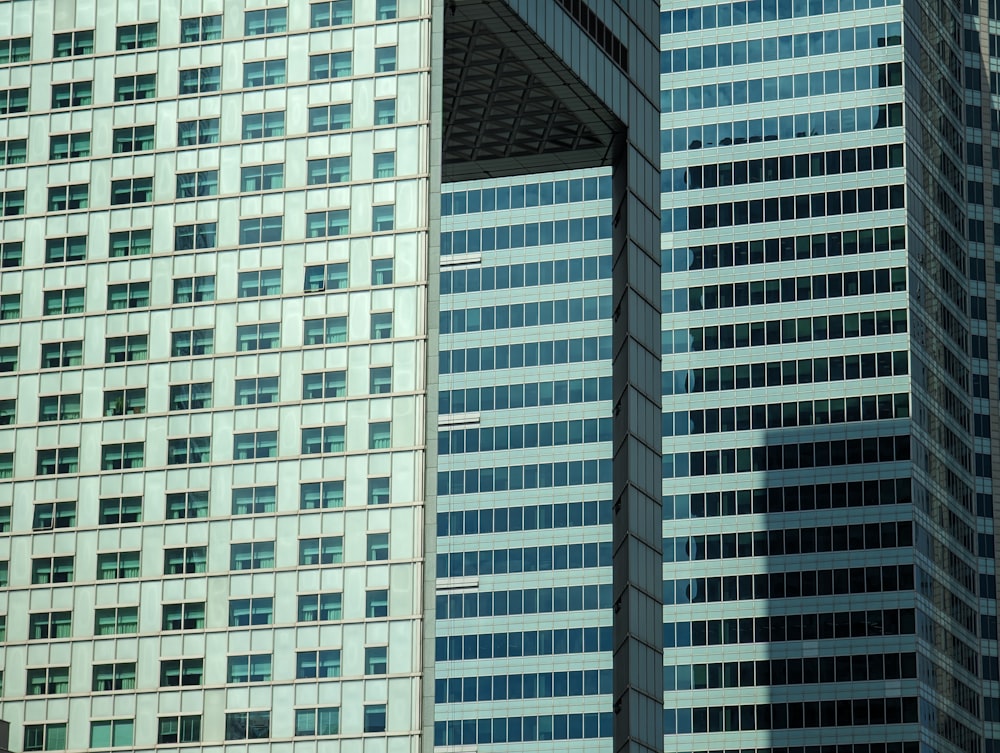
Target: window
(381,271)
(48,516)
(331,223)
(11,254)
(252,668)
(326,277)
(329,13)
(57,461)
(128,88)
(114,733)
(59,408)
(47,681)
(185,560)
(260,230)
(116,621)
(385,59)
(128,295)
(131,191)
(55,302)
(321,495)
(194,289)
(263,73)
(12,202)
(200,80)
(321,439)
(136,37)
(256,391)
(383,217)
(13,101)
(263,125)
(120,510)
(202,29)
(384,164)
(181,505)
(324,384)
(130,243)
(259,282)
(376,660)
(317,722)
(328,550)
(127,348)
(385,10)
(125,402)
(73,43)
(252,500)
(316,664)
(7,411)
(133,139)
(187,237)
(49,736)
(73,248)
(69,146)
(59,354)
(193,342)
(378,547)
(375,717)
(15,50)
(72,94)
(178,729)
(320,607)
(329,118)
(8,359)
(262,177)
(188,450)
(114,676)
(13,152)
(248,725)
(122,456)
(327,331)
(268,21)
(63,198)
(378,491)
(381,325)
(193,132)
(48,625)
(117,565)
(258,336)
(191,396)
(328,170)
(178,672)
(253,555)
(204,183)
(330,65)
(52,570)
(377,603)
(256,611)
(187,616)
(260,444)
(10,306)
(385,111)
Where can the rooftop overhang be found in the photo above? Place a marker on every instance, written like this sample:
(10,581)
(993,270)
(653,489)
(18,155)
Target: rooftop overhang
(511,106)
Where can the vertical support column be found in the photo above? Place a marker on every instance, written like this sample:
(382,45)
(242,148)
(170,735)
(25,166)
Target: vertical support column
(637,520)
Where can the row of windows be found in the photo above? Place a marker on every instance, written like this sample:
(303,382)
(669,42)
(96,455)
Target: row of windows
(757,11)
(526,518)
(527,235)
(523,436)
(527,601)
(776,457)
(533,476)
(546,193)
(525,395)
(531,559)
(810,165)
(527,686)
(794,584)
(517,729)
(784,331)
(775,128)
(777,373)
(775,542)
(534,313)
(784,47)
(787,415)
(518,355)
(526,275)
(779,499)
(556,642)
(802,206)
